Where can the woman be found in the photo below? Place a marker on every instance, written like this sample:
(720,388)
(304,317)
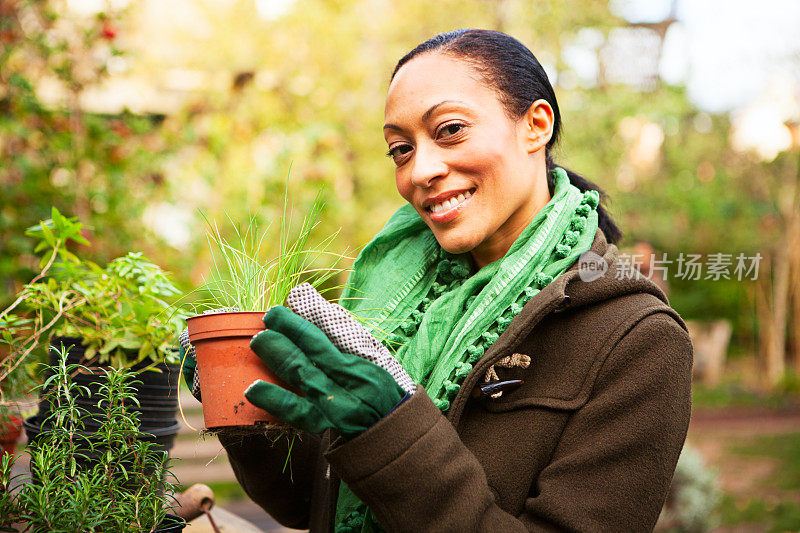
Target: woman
(543,390)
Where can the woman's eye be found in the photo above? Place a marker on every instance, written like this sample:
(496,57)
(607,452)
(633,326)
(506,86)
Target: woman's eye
(398,151)
(450,129)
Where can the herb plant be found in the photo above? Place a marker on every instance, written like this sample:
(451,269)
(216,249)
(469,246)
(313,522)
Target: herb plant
(242,278)
(120,312)
(109,480)
(9,510)
(21,333)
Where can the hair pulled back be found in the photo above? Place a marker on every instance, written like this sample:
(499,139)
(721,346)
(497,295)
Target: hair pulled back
(511,68)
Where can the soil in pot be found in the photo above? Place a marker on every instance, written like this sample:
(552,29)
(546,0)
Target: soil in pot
(226,366)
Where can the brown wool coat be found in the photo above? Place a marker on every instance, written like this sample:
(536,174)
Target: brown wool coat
(589,442)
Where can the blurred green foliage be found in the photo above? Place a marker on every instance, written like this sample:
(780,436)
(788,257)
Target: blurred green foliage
(734,394)
(785,448)
(102,168)
(760,514)
(778,512)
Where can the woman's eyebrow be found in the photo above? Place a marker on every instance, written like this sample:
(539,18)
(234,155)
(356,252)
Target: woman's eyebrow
(425,116)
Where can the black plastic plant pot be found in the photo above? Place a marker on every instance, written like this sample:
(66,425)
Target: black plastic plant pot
(161,374)
(164,437)
(146,410)
(149,412)
(160,392)
(146,425)
(156,401)
(170,524)
(149,418)
(77,351)
(152,382)
(153,410)
(144,391)
(156,392)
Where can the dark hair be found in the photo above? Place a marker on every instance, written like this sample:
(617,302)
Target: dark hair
(511,68)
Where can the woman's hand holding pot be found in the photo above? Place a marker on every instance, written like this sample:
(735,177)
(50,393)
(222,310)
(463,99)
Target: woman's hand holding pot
(349,379)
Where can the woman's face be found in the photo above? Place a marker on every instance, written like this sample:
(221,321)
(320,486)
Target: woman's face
(475,176)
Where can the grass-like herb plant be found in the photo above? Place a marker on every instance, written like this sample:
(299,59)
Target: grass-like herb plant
(107,480)
(243,278)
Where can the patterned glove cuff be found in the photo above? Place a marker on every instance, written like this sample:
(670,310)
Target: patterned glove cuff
(346,333)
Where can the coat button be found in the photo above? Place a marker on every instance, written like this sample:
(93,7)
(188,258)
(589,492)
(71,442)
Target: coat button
(563,305)
(491,388)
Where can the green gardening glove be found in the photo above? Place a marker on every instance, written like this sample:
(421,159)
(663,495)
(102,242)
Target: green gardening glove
(341,391)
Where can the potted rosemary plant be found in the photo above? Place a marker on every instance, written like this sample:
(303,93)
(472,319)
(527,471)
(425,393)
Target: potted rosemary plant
(241,287)
(111,479)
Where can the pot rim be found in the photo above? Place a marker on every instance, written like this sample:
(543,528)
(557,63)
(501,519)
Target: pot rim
(225,325)
(176,521)
(224,313)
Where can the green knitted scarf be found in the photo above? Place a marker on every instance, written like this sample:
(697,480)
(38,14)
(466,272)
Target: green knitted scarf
(436,316)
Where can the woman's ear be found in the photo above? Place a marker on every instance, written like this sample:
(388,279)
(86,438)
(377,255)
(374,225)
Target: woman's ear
(538,125)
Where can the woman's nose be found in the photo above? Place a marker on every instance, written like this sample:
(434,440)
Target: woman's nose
(427,166)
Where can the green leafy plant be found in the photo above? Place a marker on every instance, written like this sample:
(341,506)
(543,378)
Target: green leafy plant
(120,312)
(21,333)
(109,480)
(124,317)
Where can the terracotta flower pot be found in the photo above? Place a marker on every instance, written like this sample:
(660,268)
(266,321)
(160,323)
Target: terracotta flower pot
(226,366)
(10,431)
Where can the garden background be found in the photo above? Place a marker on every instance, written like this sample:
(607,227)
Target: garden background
(136,116)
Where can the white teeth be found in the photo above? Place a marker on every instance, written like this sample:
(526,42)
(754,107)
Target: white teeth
(450,203)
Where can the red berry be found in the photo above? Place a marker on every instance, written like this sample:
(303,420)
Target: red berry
(109,31)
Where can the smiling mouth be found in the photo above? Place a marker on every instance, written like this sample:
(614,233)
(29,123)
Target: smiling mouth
(450,203)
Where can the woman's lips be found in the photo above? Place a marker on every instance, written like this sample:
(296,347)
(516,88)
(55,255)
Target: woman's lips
(448,214)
